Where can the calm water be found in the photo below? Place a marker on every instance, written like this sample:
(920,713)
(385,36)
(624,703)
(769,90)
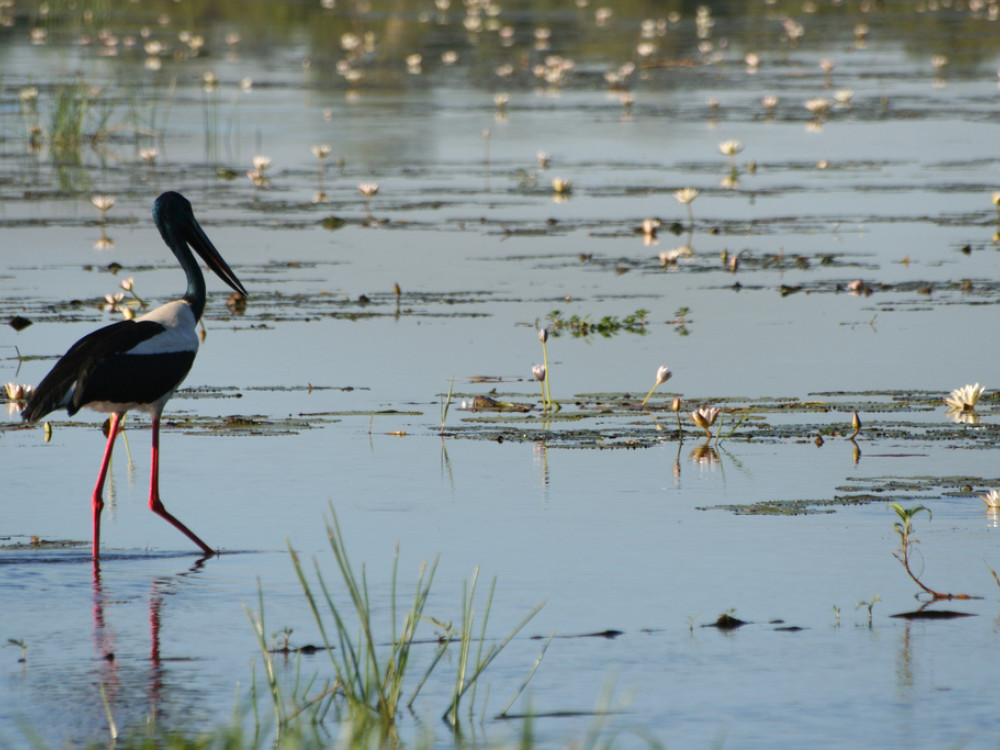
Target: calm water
(893,187)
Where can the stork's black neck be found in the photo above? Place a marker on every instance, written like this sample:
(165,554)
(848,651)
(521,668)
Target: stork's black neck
(174,218)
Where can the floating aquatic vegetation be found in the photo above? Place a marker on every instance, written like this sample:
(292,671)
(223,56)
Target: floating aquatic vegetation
(607,326)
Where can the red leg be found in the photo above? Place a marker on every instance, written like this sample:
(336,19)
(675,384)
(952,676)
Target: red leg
(154,492)
(97,501)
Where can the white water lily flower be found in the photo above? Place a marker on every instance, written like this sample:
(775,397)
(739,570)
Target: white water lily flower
(562,185)
(991,498)
(539,372)
(818,106)
(730,148)
(705,417)
(17,392)
(964,398)
(102,203)
(686,195)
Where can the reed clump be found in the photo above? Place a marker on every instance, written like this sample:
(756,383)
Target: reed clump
(373,676)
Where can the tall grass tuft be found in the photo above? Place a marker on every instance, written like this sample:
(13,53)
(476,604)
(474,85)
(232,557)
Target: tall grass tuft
(372,672)
(67,118)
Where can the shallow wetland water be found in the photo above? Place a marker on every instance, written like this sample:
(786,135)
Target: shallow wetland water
(865,280)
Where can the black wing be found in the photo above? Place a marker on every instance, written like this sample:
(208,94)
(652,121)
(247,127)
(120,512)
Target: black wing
(66,385)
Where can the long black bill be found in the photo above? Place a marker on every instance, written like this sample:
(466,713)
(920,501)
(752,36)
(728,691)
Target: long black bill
(204,247)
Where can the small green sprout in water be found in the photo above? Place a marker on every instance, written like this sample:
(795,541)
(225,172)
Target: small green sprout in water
(705,417)
(662,376)
(21,644)
(836,612)
(446,404)
(285,634)
(868,605)
(680,320)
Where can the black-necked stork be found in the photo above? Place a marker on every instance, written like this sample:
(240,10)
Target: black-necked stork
(139,363)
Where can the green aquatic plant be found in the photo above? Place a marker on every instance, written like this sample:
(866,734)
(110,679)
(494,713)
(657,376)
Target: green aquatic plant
(371,669)
(21,644)
(904,528)
(446,403)
(869,605)
(469,668)
(607,326)
(680,320)
(67,118)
